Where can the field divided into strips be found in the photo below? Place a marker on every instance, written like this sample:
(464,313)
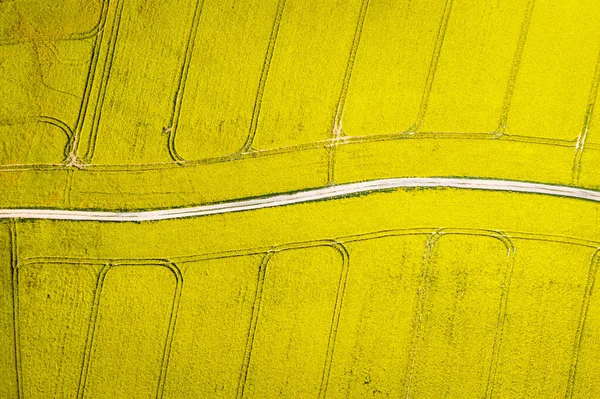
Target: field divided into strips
(420,294)
(299,198)
(105,102)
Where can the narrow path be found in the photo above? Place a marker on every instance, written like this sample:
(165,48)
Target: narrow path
(330,192)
